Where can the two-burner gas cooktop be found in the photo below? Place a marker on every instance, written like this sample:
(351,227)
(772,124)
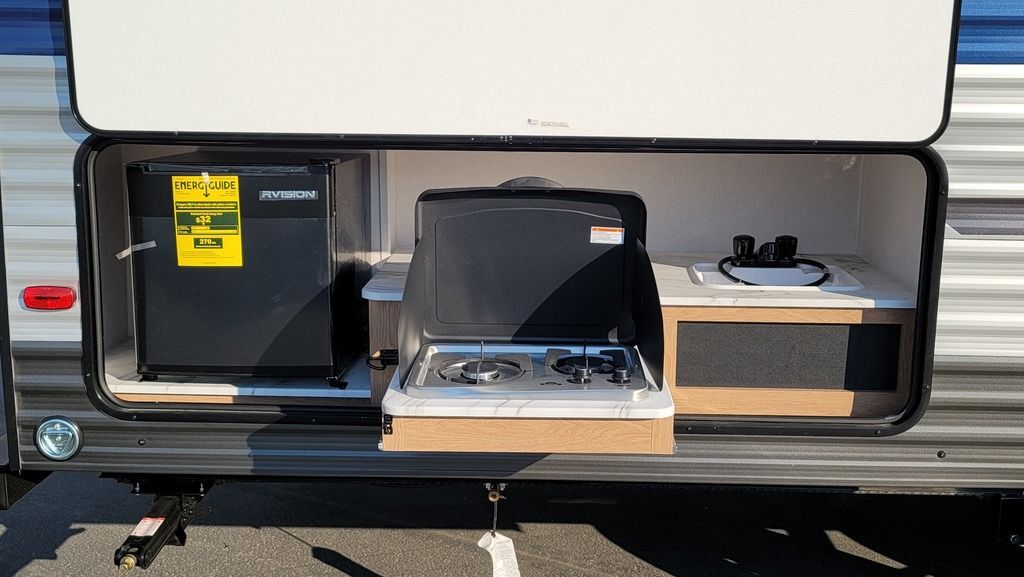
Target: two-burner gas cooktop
(604,372)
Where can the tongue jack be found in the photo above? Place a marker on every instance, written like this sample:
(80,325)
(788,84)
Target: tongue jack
(173,509)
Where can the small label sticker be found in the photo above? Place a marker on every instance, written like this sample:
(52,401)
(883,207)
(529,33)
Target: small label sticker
(547,123)
(207,220)
(147,526)
(607,235)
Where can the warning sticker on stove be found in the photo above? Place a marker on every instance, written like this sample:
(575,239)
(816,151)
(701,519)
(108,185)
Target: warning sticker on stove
(207,220)
(606,235)
(147,526)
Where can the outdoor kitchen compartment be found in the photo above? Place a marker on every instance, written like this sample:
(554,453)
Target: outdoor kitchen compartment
(266,309)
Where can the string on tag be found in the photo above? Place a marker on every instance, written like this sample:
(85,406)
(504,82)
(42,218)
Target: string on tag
(500,547)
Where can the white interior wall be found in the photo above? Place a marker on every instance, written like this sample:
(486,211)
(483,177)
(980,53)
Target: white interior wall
(892,216)
(118,313)
(695,202)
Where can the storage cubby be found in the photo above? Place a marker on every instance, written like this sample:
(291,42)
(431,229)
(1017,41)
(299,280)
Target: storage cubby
(729,351)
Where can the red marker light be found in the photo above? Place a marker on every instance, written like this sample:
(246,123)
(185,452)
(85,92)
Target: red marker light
(48,298)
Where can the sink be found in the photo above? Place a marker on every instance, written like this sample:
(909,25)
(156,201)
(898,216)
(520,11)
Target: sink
(789,279)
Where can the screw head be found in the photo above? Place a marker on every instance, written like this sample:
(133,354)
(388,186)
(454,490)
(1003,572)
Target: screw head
(1015,539)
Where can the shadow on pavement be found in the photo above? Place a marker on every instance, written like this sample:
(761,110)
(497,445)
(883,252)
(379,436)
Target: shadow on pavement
(342,563)
(373,531)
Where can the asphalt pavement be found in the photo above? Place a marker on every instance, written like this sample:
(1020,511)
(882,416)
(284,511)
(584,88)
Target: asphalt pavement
(71,524)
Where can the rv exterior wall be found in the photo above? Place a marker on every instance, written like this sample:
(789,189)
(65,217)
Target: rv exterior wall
(38,140)
(975,413)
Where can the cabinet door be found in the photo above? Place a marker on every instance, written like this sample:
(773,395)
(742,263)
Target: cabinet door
(788,362)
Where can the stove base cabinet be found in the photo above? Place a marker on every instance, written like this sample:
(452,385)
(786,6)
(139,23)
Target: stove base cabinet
(788,362)
(501,435)
(492,423)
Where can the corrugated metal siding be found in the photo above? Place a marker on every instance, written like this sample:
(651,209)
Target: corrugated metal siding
(31,27)
(983,436)
(981,305)
(976,415)
(991,32)
(38,141)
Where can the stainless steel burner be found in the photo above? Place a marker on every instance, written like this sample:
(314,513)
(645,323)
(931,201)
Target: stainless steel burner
(600,364)
(528,371)
(480,370)
(477,370)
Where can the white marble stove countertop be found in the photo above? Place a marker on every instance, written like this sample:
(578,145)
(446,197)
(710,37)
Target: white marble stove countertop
(388,283)
(676,287)
(657,405)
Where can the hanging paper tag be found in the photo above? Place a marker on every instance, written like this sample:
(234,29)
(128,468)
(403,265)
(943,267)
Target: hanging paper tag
(503,554)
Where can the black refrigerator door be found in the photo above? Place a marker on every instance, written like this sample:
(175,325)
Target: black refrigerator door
(271,315)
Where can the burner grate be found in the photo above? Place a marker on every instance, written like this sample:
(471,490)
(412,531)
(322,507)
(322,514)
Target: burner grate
(598,364)
(478,370)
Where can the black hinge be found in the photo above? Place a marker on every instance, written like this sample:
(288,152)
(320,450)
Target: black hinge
(387,428)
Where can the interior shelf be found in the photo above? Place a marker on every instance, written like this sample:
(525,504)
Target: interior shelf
(124,382)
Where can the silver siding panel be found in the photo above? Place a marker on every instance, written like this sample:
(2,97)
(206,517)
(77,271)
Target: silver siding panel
(38,140)
(976,414)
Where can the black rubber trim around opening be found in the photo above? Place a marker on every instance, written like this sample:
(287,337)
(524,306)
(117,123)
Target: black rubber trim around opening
(10,412)
(924,341)
(518,142)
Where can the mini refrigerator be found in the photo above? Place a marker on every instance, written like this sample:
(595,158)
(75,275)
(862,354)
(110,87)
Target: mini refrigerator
(237,265)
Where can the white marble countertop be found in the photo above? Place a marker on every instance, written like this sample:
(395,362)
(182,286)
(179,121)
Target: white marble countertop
(676,287)
(657,405)
(388,283)
(357,377)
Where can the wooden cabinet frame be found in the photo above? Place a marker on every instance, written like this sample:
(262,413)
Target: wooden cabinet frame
(501,435)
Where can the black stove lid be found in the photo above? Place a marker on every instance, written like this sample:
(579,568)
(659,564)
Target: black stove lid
(527,264)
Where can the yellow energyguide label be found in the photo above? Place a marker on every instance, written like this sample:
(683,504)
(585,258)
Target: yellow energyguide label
(207,220)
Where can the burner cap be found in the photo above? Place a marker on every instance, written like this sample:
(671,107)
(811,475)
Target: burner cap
(581,374)
(480,370)
(476,371)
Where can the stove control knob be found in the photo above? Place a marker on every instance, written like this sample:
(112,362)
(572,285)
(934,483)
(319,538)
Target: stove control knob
(621,375)
(581,374)
(787,246)
(743,246)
